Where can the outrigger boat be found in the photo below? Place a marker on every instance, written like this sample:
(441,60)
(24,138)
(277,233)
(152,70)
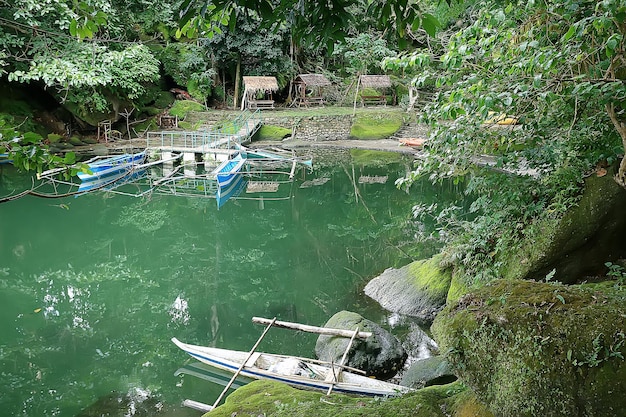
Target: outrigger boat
(228,170)
(110,166)
(297,372)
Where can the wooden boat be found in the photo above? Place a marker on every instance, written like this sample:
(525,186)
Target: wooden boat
(228,170)
(297,372)
(110,166)
(413,142)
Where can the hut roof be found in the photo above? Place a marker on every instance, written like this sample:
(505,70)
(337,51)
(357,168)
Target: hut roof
(375,81)
(313,80)
(260,83)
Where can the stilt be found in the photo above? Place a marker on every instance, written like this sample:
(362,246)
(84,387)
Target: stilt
(243,364)
(335,377)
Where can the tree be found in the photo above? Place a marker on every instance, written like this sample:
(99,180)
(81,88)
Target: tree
(556,66)
(312,22)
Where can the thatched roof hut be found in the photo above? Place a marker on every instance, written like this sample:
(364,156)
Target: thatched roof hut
(309,89)
(312,80)
(253,85)
(375,81)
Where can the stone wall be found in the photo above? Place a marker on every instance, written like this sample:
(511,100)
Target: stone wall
(314,128)
(309,128)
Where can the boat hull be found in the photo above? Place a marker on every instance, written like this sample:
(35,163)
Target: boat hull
(112,166)
(226,172)
(350,383)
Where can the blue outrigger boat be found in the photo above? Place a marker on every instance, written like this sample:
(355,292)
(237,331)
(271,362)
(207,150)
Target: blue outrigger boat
(113,165)
(228,170)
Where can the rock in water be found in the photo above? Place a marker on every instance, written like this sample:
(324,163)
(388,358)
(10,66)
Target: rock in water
(380,355)
(418,289)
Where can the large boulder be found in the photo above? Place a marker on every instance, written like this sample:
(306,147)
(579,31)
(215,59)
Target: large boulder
(418,289)
(576,245)
(429,371)
(528,348)
(380,355)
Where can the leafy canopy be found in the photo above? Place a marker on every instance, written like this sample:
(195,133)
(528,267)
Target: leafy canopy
(557,67)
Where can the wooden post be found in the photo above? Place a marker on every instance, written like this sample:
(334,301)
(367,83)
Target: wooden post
(311,329)
(243,364)
(343,361)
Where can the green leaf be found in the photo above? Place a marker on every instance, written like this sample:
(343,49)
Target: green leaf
(430,24)
(568,35)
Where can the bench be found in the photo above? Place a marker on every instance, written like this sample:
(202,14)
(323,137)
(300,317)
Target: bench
(310,101)
(375,100)
(261,104)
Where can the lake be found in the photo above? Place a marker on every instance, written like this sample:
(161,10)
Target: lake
(93,288)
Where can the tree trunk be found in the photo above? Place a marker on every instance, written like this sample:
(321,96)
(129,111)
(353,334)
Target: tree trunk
(237,77)
(620,126)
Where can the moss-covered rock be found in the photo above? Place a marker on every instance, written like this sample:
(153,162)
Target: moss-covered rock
(577,244)
(418,289)
(182,107)
(380,355)
(528,348)
(272,399)
(426,372)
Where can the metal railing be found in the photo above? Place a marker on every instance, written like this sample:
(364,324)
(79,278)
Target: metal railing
(227,136)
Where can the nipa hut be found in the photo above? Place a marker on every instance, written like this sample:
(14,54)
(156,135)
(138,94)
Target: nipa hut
(379,83)
(258,91)
(309,89)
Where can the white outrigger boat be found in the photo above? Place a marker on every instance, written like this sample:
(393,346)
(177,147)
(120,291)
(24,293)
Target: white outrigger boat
(297,372)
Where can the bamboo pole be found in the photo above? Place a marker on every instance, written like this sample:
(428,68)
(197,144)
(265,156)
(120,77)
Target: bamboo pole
(311,329)
(243,364)
(343,361)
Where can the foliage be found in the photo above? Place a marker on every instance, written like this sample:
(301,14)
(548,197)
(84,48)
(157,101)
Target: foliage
(189,65)
(311,23)
(361,54)
(555,66)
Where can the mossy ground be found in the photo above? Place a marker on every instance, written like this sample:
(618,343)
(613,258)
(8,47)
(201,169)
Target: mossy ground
(529,348)
(375,126)
(272,399)
(272,133)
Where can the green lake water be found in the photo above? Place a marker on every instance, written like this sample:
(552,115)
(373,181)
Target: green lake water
(93,288)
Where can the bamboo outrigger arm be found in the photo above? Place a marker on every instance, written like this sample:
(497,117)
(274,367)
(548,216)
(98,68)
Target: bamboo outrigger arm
(312,329)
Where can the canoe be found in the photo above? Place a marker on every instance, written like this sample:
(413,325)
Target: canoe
(110,166)
(228,170)
(413,142)
(297,372)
